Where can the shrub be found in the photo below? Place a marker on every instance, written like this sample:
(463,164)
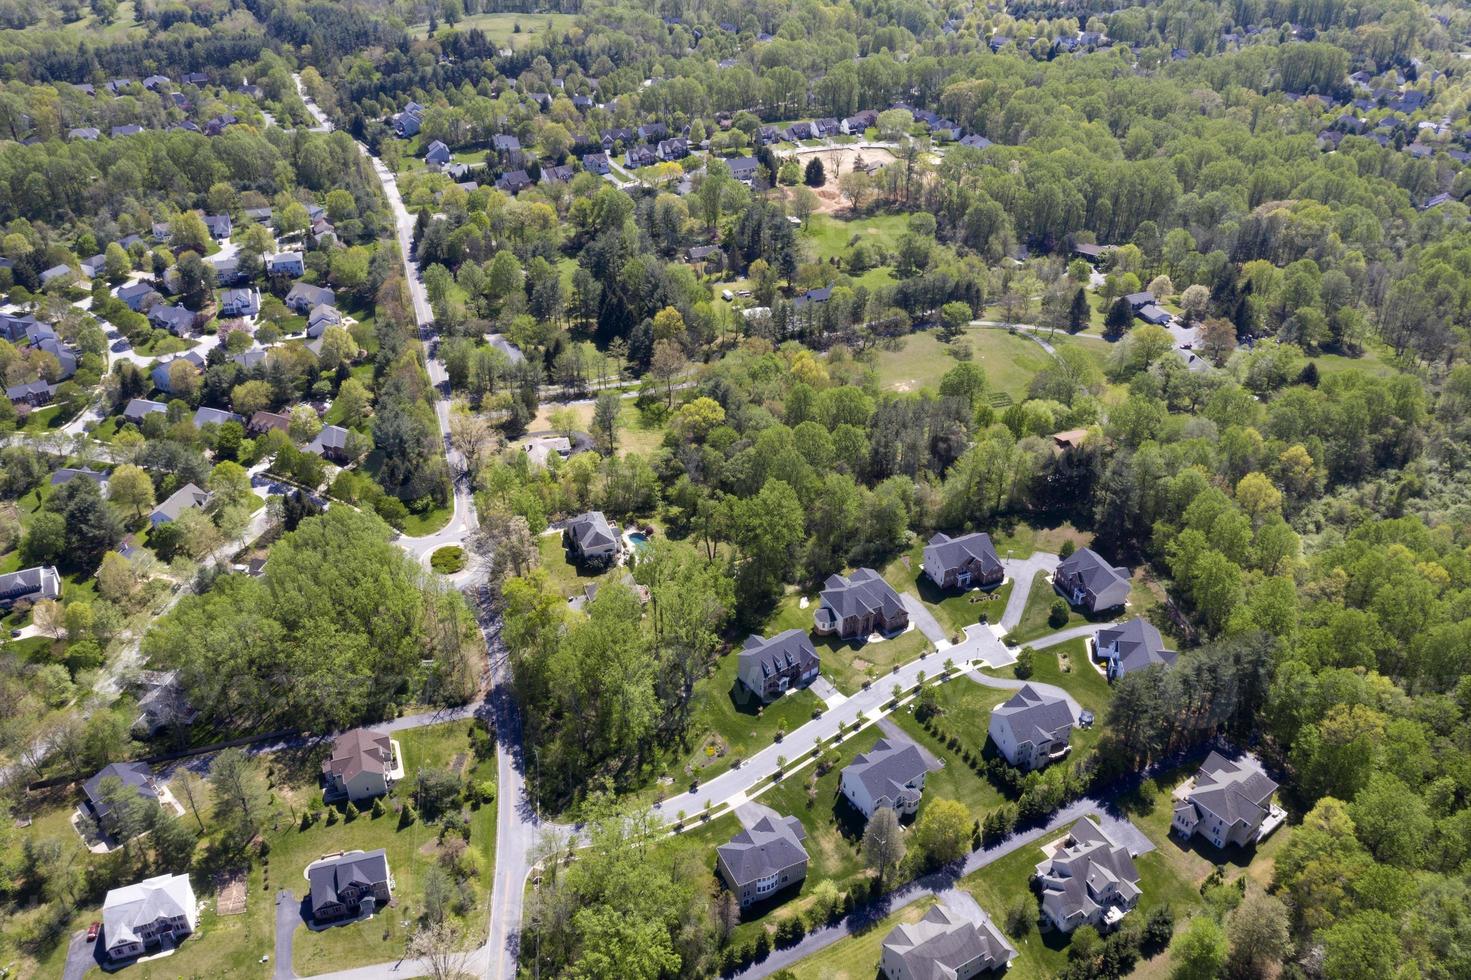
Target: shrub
(1023,666)
(378,809)
(448,560)
(1058,615)
(1067,549)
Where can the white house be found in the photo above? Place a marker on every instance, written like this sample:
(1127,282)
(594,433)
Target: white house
(1228,803)
(153,914)
(1087,879)
(945,945)
(1031,728)
(889,774)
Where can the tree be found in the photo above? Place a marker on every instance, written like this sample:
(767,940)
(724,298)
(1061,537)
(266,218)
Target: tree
(667,365)
(1199,952)
(250,397)
(131,488)
(1194,301)
(49,618)
(943,832)
(563,420)
(1259,937)
(440,946)
(1079,312)
(352,402)
(1120,316)
(116,578)
(187,786)
(815,174)
(1216,339)
(230,484)
(305,424)
(241,797)
(605,420)
(883,841)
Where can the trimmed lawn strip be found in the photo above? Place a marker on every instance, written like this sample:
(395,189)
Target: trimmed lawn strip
(857,957)
(1034,623)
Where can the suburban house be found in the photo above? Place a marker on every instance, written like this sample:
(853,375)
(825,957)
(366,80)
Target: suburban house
(1153,313)
(859,605)
(963,562)
(890,774)
(856,124)
(185,498)
(437,155)
(596,163)
(1087,581)
(770,668)
(139,409)
(161,702)
(155,913)
(175,319)
(263,421)
(672,149)
(320,318)
(591,539)
(93,265)
(513,182)
(505,143)
(239,303)
(132,775)
(353,884)
(560,174)
(67,474)
(219,226)
(286,264)
(407,123)
(204,415)
(764,859)
(29,585)
(33,394)
(304,296)
(331,444)
(1136,645)
(362,765)
(1087,879)
(944,946)
(742,169)
(1031,729)
(1228,803)
(639,156)
(161,370)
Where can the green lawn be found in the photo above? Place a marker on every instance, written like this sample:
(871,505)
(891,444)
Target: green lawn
(1034,622)
(434,519)
(848,663)
(966,713)
(563,577)
(1009,360)
(955,609)
(161,342)
(1089,687)
(501,28)
(857,958)
(831,236)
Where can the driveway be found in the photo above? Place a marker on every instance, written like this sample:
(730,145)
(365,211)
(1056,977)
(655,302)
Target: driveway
(81,956)
(1062,636)
(288,917)
(750,814)
(923,619)
(898,736)
(982,644)
(824,689)
(1022,571)
(1015,684)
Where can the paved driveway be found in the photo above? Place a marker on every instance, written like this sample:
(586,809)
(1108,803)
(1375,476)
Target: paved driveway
(923,619)
(81,956)
(288,917)
(898,736)
(1021,571)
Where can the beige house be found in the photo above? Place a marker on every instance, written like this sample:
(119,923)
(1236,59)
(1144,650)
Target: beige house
(363,764)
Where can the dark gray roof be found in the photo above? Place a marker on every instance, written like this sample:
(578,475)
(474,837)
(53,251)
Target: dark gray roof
(944,552)
(1035,717)
(591,530)
(179,501)
(329,878)
(67,474)
(1233,791)
(779,652)
(1137,300)
(942,943)
(1096,574)
(134,774)
(310,295)
(1082,870)
(767,848)
(862,592)
(217,416)
(331,437)
(140,408)
(885,769)
(1139,645)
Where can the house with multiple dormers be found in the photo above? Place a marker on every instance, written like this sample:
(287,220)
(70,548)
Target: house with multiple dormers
(1087,879)
(1132,646)
(154,914)
(354,884)
(944,945)
(771,667)
(969,561)
(29,585)
(859,605)
(1085,580)
(1227,803)
(1032,728)
(891,774)
(764,859)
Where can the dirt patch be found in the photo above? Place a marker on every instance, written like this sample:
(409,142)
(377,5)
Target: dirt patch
(837,161)
(457,764)
(861,665)
(230,893)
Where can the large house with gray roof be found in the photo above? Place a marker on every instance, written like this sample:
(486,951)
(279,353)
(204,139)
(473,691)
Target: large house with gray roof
(591,539)
(1090,583)
(1133,646)
(771,667)
(1228,803)
(29,585)
(766,858)
(891,774)
(185,498)
(1087,880)
(1031,729)
(858,605)
(351,884)
(155,913)
(944,945)
(131,775)
(964,562)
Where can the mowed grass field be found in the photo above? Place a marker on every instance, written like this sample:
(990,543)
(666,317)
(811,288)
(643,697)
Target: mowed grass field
(501,28)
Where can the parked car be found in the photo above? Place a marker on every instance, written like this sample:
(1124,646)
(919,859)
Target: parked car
(92,931)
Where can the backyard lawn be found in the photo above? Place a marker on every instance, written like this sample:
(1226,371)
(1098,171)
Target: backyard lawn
(1009,360)
(633,435)
(857,957)
(563,577)
(966,708)
(1087,686)
(1034,623)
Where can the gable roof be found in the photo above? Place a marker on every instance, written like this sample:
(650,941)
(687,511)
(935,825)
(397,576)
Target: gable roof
(1139,645)
(944,552)
(214,416)
(42,579)
(1095,573)
(330,878)
(591,530)
(128,909)
(939,945)
(357,751)
(186,497)
(1035,717)
(134,774)
(766,848)
(140,408)
(332,437)
(1237,792)
(885,769)
(865,591)
(779,652)
(1083,870)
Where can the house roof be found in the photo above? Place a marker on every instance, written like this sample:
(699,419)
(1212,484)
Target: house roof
(1234,791)
(779,652)
(134,774)
(865,591)
(591,530)
(42,578)
(360,750)
(330,878)
(1139,646)
(22,391)
(944,552)
(68,473)
(1034,716)
(1086,868)
(172,317)
(262,421)
(331,437)
(216,416)
(767,847)
(186,497)
(1095,573)
(130,908)
(140,408)
(939,945)
(310,295)
(885,769)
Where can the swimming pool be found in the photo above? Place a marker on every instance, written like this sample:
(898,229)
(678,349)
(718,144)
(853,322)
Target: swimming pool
(638,539)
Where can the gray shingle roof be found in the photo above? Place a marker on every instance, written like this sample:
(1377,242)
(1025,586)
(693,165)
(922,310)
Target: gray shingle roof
(1139,646)
(591,530)
(944,552)
(1096,574)
(939,945)
(1083,871)
(779,652)
(134,774)
(1035,717)
(330,878)
(1233,791)
(131,908)
(862,592)
(886,768)
(765,849)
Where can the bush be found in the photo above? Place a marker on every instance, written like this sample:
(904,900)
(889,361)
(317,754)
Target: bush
(1023,666)
(1058,616)
(378,809)
(1158,929)
(448,560)
(1020,915)
(1067,549)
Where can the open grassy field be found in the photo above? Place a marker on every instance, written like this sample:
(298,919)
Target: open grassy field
(502,28)
(633,435)
(1009,360)
(1034,622)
